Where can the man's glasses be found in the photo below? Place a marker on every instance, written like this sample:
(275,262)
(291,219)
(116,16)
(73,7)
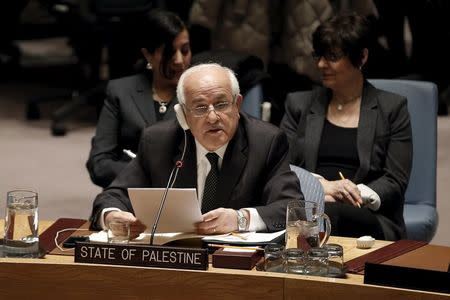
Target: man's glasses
(330,57)
(203,110)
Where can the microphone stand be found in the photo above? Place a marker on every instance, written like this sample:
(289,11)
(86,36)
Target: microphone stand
(170,183)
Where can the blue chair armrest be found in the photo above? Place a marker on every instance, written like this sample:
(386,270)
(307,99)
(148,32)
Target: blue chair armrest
(421,221)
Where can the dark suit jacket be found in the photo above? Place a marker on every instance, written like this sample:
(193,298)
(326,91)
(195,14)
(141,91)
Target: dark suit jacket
(129,107)
(255,170)
(384,145)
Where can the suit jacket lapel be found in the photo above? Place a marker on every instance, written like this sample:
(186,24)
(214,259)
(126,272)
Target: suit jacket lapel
(233,164)
(366,130)
(314,124)
(187,175)
(142,97)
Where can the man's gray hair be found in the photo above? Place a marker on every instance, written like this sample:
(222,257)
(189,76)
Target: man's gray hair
(233,80)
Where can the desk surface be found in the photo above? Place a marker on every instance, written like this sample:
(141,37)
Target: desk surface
(58,276)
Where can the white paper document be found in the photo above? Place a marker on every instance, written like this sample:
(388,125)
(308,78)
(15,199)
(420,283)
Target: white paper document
(144,238)
(181,209)
(251,238)
(246,238)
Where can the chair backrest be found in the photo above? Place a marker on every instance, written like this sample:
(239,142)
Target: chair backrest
(250,73)
(422,99)
(311,188)
(252,101)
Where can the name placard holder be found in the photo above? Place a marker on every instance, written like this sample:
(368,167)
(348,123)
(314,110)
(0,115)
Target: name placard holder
(142,255)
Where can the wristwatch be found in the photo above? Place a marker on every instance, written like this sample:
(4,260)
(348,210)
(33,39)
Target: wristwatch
(241,221)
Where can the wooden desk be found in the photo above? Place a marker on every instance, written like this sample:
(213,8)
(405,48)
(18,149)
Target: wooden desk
(59,277)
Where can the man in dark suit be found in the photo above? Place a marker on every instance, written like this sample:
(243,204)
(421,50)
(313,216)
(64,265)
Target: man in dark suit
(252,180)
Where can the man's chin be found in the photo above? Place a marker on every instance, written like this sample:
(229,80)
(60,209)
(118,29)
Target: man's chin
(213,141)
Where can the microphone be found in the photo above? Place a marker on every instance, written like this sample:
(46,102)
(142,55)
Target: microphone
(172,178)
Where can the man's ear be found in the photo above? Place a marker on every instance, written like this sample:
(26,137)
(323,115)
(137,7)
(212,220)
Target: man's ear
(239,100)
(181,117)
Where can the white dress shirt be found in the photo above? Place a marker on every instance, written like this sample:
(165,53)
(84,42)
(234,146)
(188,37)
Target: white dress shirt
(203,167)
(256,223)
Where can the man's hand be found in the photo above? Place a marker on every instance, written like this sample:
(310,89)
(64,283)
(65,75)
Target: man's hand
(341,190)
(136,227)
(218,221)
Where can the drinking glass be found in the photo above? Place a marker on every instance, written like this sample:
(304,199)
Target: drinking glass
(294,261)
(335,260)
(119,232)
(21,224)
(317,262)
(273,257)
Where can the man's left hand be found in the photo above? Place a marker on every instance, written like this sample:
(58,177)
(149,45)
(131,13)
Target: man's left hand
(218,221)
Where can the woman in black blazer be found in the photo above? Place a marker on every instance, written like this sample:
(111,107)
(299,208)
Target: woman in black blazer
(135,102)
(354,137)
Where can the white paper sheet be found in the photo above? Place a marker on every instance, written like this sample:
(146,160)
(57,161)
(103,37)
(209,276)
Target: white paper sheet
(181,210)
(252,238)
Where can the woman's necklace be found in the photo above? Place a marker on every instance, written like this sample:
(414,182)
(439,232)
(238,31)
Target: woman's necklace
(162,104)
(340,104)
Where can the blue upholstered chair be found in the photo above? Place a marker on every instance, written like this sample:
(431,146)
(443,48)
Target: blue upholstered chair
(420,212)
(250,73)
(311,188)
(252,101)
(310,185)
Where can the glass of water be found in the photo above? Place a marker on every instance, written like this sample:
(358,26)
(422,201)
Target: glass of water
(21,224)
(118,232)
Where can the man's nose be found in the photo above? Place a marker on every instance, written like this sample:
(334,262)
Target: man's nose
(212,116)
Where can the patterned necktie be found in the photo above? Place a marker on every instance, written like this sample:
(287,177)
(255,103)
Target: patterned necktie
(211,182)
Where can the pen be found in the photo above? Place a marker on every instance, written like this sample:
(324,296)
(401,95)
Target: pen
(235,247)
(129,153)
(238,235)
(343,178)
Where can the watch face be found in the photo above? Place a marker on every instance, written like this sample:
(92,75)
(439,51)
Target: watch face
(242,222)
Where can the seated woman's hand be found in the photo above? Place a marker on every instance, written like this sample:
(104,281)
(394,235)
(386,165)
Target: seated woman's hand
(341,190)
(136,227)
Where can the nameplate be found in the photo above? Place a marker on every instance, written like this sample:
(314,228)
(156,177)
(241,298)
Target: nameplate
(142,256)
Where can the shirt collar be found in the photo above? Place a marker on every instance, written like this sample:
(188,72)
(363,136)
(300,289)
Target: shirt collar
(201,151)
